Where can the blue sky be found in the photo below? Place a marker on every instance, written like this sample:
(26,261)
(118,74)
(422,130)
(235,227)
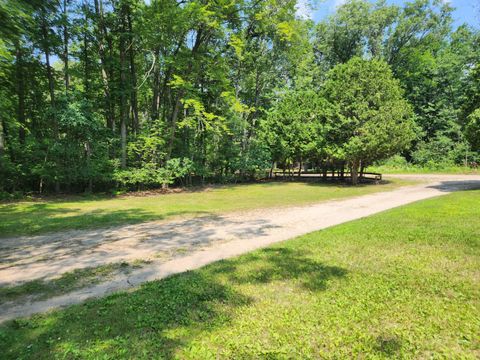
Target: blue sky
(466,11)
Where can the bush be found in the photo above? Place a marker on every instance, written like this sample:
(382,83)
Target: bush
(255,162)
(439,152)
(395,162)
(472,129)
(152,175)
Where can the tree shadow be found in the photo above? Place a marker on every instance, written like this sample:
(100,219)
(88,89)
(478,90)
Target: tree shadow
(47,256)
(339,183)
(162,316)
(278,264)
(26,219)
(388,345)
(452,186)
(99,197)
(186,301)
(41,218)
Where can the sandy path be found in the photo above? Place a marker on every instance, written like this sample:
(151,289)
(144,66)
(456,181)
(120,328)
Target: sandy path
(178,246)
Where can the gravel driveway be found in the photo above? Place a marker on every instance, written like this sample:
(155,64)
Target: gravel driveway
(177,246)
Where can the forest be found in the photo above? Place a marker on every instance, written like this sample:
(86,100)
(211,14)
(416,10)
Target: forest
(98,95)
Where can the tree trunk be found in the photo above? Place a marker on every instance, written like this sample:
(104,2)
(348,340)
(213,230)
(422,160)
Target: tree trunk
(250,121)
(46,49)
(173,124)
(165,90)
(123,103)
(51,84)
(198,42)
(354,171)
(20,92)
(133,73)
(164,93)
(86,60)
(65,46)
(156,87)
(88,150)
(2,138)
(102,35)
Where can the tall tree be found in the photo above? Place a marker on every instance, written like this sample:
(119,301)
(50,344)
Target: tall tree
(372,120)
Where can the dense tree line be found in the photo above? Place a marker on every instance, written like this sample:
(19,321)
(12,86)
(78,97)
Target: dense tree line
(102,93)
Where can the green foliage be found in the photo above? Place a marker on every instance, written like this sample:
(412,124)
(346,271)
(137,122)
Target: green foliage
(148,147)
(435,65)
(439,152)
(357,27)
(151,175)
(372,121)
(99,93)
(294,126)
(473,129)
(254,162)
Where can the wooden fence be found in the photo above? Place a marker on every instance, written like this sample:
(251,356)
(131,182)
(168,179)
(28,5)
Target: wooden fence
(325,176)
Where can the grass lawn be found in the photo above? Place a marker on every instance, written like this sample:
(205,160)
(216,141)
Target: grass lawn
(384,169)
(35,217)
(400,284)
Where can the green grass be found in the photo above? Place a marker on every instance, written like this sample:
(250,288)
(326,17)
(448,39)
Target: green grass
(400,284)
(412,169)
(67,282)
(36,217)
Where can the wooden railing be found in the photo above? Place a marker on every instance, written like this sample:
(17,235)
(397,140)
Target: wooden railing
(328,175)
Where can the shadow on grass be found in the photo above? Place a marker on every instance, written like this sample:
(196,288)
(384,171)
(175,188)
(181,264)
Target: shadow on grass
(277,264)
(31,218)
(79,198)
(451,186)
(162,316)
(48,256)
(388,345)
(41,218)
(344,184)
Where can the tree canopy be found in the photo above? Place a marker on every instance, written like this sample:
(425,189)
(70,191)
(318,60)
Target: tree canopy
(103,94)
(372,120)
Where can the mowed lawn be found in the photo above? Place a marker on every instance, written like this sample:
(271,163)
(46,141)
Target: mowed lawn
(412,169)
(35,217)
(401,284)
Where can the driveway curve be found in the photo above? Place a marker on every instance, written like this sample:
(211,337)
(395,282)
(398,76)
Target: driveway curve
(178,246)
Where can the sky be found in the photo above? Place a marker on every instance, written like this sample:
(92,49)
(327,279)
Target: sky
(466,11)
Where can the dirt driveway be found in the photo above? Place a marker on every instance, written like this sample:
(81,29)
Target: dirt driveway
(176,246)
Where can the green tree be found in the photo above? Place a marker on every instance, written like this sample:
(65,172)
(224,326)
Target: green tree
(294,128)
(473,129)
(372,120)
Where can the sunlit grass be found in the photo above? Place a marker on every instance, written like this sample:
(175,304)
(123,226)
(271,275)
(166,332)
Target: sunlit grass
(402,284)
(413,169)
(35,217)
